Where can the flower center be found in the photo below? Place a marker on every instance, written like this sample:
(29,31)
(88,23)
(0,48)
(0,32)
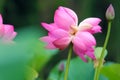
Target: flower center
(82,27)
(74,30)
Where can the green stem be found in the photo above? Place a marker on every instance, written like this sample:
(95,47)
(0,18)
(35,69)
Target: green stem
(59,75)
(97,70)
(68,63)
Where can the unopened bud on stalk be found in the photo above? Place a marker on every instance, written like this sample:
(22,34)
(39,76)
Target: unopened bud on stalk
(61,67)
(110,13)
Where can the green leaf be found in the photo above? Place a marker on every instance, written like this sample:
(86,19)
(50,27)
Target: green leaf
(13,60)
(55,74)
(78,70)
(111,71)
(98,51)
(31,74)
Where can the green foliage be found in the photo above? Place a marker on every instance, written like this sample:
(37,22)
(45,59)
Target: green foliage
(31,74)
(22,60)
(54,74)
(112,71)
(98,51)
(13,60)
(78,70)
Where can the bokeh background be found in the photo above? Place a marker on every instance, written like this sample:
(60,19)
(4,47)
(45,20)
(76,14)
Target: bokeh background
(26,16)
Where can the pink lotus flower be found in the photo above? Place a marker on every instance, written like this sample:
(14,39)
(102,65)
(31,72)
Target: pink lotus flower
(7,33)
(65,30)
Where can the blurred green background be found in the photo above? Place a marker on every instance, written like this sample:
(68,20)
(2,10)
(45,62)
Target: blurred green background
(26,16)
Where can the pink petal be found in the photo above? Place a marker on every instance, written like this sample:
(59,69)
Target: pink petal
(9,29)
(79,43)
(62,43)
(50,46)
(86,38)
(49,27)
(82,57)
(1,20)
(59,33)
(79,53)
(13,35)
(94,25)
(83,43)
(49,40)
(63,19)
(9,39)
(90,53)
(72,14)
(1,30)
(92,21)
(96,29)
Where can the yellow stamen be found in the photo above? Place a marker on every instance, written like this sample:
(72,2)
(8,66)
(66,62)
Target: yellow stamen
(74,29)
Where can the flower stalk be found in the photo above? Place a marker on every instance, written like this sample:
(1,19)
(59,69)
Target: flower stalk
(110,15)
(98,68)
(68,63)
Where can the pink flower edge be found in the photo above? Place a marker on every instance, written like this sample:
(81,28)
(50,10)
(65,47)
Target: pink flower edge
(7,33)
